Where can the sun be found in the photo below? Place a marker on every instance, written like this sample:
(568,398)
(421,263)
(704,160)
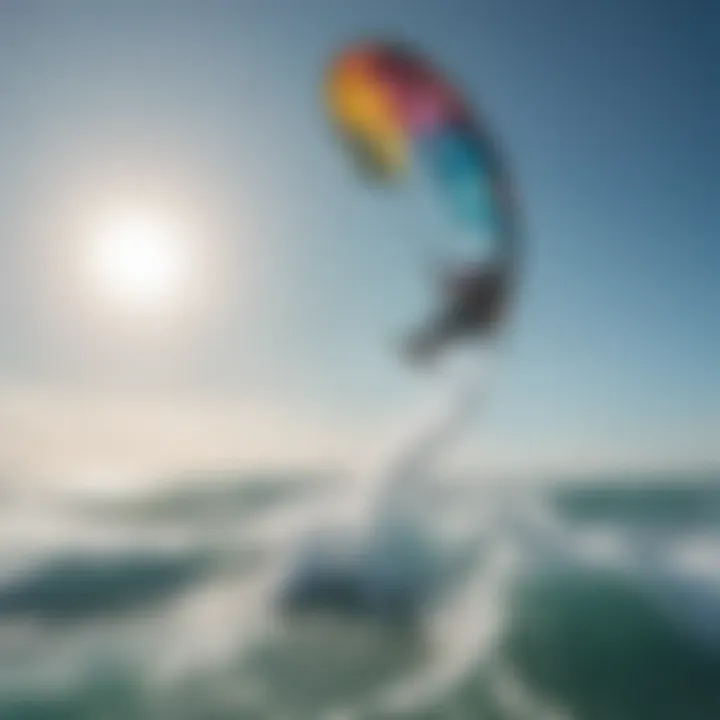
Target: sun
(137,261)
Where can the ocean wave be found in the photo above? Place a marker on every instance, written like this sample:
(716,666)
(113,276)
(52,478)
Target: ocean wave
(555,618)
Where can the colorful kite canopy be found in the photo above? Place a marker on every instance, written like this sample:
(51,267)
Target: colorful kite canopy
(388,102)
(390,105)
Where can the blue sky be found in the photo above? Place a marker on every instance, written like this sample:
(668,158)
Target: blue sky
(607,111)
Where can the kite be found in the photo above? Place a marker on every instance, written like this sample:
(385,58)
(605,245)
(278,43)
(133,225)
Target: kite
(392,109)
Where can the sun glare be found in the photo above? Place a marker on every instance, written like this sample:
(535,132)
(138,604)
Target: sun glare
(138,261)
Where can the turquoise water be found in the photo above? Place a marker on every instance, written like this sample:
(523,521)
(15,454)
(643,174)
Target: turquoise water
(597,600)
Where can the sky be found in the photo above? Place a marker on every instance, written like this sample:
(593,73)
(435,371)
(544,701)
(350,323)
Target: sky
(303,280)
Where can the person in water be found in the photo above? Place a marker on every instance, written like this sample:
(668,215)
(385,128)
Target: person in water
(475,295)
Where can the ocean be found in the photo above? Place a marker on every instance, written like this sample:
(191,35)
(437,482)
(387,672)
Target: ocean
(587,599)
